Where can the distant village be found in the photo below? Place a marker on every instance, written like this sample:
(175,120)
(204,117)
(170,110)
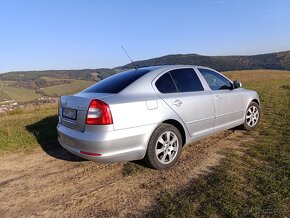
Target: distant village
(11,104)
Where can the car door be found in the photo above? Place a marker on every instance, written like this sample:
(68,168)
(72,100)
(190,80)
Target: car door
(229,102)
(183,92)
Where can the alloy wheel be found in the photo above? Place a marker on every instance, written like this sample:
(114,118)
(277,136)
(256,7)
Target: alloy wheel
(252,116)
(166,147)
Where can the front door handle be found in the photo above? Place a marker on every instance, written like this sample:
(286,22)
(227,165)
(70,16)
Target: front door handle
(177,103)
(217,97)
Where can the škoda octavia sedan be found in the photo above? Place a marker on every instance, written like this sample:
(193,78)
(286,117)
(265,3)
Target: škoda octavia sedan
(151,113)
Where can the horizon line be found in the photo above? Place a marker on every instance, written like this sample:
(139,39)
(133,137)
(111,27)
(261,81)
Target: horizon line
(109,68)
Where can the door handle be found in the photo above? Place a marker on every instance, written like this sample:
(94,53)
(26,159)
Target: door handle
(177,103)
(217,97)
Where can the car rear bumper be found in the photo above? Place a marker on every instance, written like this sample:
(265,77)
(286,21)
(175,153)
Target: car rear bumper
(106,146)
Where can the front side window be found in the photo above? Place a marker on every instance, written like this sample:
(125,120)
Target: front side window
(214,80)
(186,80)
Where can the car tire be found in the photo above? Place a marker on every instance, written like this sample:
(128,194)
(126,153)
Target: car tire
(252,117)
(164,147)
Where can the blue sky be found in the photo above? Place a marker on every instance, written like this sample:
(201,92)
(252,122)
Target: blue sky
(71,34)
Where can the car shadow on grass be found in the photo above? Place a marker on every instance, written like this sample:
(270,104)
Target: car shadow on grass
(46,135)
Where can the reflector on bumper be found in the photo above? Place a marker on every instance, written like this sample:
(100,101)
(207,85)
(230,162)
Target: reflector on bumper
(90,153)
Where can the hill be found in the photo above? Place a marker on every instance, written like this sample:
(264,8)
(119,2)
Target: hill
(85,74)
(23,86)
(277,61)
(16,85)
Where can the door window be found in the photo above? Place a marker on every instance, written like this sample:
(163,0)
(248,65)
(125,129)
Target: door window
(186,80)
(165,84)
(214,80)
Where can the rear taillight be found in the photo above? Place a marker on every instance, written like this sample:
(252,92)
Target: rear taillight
(99,113)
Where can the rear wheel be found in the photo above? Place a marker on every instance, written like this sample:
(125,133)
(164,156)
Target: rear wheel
(252,117)
(164,147)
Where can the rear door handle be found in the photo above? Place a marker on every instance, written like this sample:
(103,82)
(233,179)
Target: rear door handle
(177,103)
(217,97)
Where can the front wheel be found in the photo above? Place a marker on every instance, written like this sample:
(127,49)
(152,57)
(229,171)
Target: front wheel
(253,115)
(164,147)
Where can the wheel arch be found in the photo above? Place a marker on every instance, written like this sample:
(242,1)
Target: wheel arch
(256,101)
(180,128)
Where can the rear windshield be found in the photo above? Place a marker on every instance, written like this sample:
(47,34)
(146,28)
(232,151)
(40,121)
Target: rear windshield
(117,82)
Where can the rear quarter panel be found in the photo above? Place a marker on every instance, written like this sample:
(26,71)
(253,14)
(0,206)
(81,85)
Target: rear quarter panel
(132,111)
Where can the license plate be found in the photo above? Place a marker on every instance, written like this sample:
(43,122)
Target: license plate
(69,113)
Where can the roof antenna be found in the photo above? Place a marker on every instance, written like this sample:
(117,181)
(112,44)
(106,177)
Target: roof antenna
(129,58)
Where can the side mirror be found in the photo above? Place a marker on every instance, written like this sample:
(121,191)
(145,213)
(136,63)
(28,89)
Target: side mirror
(237,84)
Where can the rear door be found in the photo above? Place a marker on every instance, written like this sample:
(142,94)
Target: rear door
(182,90)
(229,103)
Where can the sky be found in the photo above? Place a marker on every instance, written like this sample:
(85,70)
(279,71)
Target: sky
(81,34)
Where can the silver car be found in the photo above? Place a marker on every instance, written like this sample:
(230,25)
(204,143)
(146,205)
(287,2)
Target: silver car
(152,112)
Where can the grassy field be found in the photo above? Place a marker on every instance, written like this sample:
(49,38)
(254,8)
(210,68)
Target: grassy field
(18,94)
(65,89)
(21,94)
(24,95)
(19,129)
(251,181)
(49,79)
(3,94)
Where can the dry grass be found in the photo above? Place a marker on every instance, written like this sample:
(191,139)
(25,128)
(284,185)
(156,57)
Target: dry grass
(257,76)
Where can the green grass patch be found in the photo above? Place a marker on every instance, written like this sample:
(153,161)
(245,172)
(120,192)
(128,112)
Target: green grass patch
(21,94)
(251,182)
(3,96)
(131,168)
(26,129)
(49,79)
(67,89)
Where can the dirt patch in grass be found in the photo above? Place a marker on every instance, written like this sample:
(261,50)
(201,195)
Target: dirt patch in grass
(43,184)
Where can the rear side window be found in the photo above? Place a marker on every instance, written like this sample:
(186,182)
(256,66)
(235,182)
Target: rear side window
(186,80)
(214,80)
(117,82)
(165,84)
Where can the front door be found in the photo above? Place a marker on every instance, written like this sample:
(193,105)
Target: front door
(228,108)
(229,103)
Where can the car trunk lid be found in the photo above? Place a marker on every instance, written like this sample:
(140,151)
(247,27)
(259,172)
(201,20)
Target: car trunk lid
(73,109)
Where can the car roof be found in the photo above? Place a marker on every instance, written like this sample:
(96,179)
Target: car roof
(146,80)
(151,68)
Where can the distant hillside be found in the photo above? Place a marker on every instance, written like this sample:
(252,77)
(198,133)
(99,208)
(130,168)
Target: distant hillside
(277,61)
(60,82)
(86,74)
(25,86)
